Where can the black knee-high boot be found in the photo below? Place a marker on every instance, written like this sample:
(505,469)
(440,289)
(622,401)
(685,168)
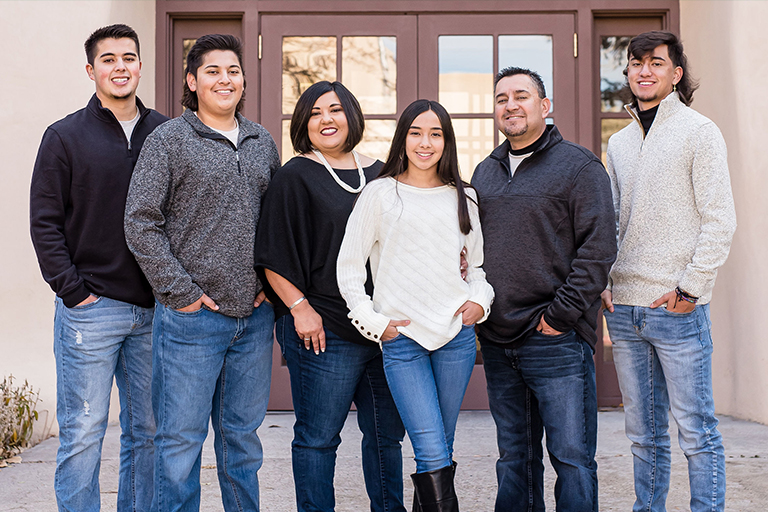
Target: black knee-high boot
(433,491)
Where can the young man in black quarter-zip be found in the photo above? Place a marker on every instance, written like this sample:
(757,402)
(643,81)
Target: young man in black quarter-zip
(190,219)
(104,305)
(548,224)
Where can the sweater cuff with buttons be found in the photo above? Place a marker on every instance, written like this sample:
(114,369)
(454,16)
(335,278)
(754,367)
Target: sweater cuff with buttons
(482,293)
(370,323)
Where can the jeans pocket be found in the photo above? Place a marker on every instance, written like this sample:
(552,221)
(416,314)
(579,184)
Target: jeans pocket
(553,336)
(675,313)
(87,306)
(185,313)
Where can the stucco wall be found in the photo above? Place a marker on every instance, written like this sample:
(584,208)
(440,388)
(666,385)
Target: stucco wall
(726,44)
(44,79)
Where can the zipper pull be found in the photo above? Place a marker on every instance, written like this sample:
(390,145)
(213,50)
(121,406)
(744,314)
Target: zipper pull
(237,157)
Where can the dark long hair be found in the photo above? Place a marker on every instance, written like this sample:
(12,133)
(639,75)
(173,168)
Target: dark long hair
(645,43)
(447,167)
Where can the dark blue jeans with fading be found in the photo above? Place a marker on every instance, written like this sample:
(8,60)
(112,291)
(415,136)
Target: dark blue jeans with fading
(546,384)
(323,388)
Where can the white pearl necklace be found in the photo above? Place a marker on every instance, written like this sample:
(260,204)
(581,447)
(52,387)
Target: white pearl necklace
(336,177)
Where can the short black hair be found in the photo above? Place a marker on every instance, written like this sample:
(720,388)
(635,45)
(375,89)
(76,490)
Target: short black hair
(645,43)
(303,111)
(118,31)
(512,71)
(203,46)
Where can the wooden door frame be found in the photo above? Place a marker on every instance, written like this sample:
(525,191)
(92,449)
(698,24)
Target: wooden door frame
(587,14)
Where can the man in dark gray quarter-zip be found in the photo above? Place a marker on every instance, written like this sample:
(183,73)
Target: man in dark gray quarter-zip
(190,220)
(103,322)
(548,224)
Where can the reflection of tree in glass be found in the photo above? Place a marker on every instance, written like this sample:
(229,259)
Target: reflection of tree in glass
(370,72)
(306,60)
(613,60)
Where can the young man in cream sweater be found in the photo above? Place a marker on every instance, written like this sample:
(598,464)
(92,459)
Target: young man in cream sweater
(675,218)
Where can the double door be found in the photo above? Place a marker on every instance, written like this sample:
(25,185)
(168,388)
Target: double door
(388,61)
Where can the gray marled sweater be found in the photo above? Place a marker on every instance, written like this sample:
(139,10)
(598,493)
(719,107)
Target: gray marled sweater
(192,210)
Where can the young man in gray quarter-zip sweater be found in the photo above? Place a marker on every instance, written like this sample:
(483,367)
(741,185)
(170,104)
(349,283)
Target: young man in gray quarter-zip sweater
(190,220)
(675,220)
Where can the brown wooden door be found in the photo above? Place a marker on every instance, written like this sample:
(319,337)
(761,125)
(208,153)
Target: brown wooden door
(185,33)
(415,56)
(458,58)
(611,36)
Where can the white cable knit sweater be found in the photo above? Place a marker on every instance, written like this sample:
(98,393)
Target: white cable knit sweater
(413,239)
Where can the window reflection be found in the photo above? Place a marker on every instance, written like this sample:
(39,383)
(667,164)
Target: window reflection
(474,140)
(613,60)
(529,51)
(377,138)
(607,128)
(465,66)
(369,70)
(306,60)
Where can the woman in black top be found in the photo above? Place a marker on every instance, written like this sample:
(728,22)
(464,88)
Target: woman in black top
(331,365)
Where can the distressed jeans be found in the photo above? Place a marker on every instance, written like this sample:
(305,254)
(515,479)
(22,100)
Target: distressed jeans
(209,367)
(664,361)
(94,344)
(546,384)
(323,388)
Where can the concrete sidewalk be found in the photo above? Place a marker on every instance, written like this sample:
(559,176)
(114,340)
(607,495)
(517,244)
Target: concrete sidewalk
(29,486)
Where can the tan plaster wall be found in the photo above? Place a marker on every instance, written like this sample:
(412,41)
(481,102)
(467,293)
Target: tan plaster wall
(44,79)
(727,46)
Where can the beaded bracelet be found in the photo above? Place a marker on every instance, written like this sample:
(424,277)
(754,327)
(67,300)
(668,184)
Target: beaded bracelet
(687,297)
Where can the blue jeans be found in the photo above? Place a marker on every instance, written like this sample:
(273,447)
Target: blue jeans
(209,366)
(664,360)
(93,344)
(428,388)
(323,388)
(547,383)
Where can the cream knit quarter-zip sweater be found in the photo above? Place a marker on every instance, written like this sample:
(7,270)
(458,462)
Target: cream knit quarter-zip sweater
(674,207)
(413,239)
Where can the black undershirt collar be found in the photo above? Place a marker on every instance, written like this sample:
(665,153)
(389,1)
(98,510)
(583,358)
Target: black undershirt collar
(647,117)
(529,149)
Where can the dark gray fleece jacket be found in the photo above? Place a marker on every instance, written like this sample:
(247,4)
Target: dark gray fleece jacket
(192,210)
(550,239)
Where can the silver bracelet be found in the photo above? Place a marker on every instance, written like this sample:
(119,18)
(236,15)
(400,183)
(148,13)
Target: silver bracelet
(298,301)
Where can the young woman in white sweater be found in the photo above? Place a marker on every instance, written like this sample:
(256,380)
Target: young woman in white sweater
(412,223)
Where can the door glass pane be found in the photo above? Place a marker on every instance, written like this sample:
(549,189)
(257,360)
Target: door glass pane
(286,148)
(607,128)
(474,140)
(613,60)
(532,52)
(465,66)
(369,70)
(306,60)
(377,138)
(186,45)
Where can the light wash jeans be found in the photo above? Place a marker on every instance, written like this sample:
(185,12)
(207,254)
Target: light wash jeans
(93,344)
(208,366)
(664,360)
(323,387)
(548,383)
(428,388)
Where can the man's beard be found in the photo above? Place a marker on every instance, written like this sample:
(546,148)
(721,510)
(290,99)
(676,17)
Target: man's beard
(516,132)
